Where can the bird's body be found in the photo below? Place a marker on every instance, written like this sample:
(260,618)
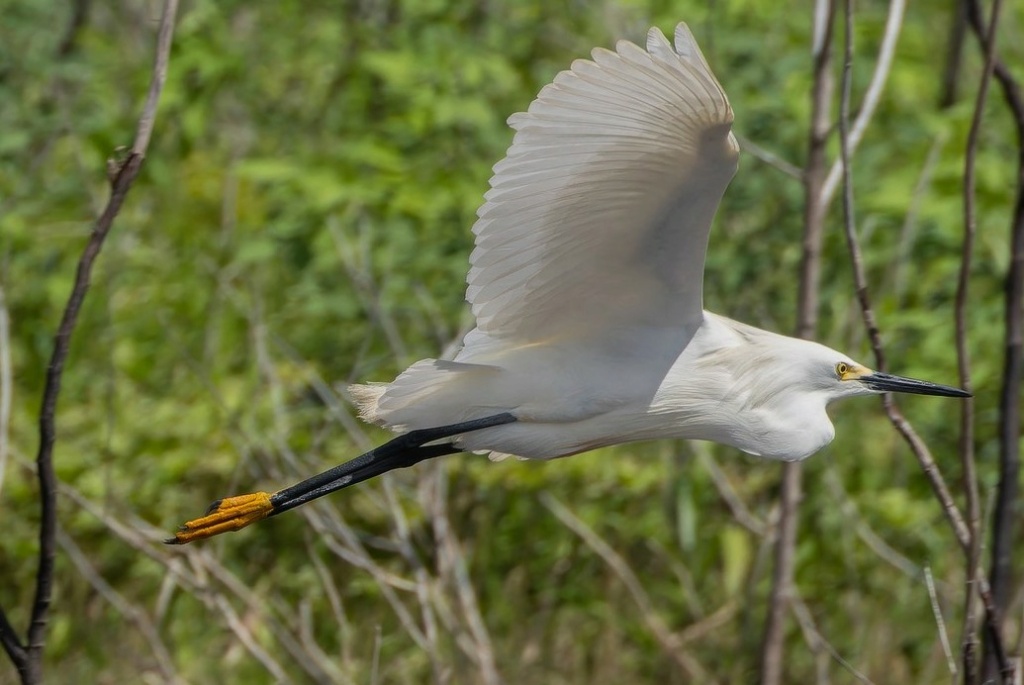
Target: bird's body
(586,281)
(586,284)
(711,386)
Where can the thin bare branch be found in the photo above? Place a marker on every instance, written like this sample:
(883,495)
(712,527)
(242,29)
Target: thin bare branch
(203,567)
(334,599)
(939,622)
(1004,516)
(917,445)
(13,646)
(420,575)
(772,652)
(954,54)
(131,612)
(5,386)
(28,658)
(79,16)
(814,171)
(996,597)
(719,618)
(165,36)
(361,277)
(353,552)
(670,642)
(770,158)
(820,642)
(868,536)
(927,462)
(960,527)
(453,559)
(893,24)
(727,492)
(849,221)
(771,656)
(245,636)
(375,670)
(969,638)
(902,269)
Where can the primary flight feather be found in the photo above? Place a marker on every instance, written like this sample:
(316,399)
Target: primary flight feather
(586,284)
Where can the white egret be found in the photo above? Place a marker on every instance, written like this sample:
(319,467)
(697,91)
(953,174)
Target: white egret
(586,285)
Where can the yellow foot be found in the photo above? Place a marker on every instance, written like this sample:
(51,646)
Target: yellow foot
(228,514)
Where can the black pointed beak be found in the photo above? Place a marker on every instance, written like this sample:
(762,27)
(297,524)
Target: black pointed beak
(885,382)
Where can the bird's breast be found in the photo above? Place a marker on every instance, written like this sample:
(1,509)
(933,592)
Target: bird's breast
(786,428)
(788,435)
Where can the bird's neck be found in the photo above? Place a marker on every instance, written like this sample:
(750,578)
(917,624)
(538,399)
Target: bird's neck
(725,388)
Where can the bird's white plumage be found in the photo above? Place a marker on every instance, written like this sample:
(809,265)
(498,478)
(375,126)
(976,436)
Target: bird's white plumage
(586,287)
(592,239)
(586,284)
(597,218)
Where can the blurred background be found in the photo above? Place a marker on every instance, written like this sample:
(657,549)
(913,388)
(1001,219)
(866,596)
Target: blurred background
(302,222)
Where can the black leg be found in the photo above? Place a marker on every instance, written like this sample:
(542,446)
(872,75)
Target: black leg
(401,452)
(234,513)
(351,473)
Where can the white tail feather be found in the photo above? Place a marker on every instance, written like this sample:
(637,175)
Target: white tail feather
(430,393)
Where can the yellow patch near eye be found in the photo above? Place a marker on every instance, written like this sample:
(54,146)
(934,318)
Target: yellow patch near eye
(850,372)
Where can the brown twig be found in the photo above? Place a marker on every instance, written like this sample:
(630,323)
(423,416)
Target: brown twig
(954,55)
(27,657)
(896,417)
(927,462)
(770,158)
(961,529)
(197,578)
(1003,517)
(6,382)
(740,512)
(772,657)
(420,575)
(807,319)
(849,221)
(969,643)
(814,172)
(214,585)
(820,643)
(452,561)
(920,450)
(671,643)
(872,95)
(940,623)
(135,615)
(79,15)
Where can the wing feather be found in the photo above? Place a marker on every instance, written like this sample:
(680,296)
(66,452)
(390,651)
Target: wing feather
(597,219)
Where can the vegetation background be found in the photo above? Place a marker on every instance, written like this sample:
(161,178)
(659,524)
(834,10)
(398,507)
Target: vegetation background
(302,222)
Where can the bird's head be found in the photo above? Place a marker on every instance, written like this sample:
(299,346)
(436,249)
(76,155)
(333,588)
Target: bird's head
(774,369)
(841,377)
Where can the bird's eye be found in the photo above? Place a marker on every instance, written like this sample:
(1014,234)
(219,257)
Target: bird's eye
(842,368)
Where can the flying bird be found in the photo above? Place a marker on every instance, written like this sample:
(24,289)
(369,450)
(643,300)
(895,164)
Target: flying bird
(586,285)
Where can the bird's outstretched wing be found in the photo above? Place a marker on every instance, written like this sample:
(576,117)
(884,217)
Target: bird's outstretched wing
(597,219)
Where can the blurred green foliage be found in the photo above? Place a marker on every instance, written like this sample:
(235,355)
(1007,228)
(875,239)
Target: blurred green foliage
(304,214)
